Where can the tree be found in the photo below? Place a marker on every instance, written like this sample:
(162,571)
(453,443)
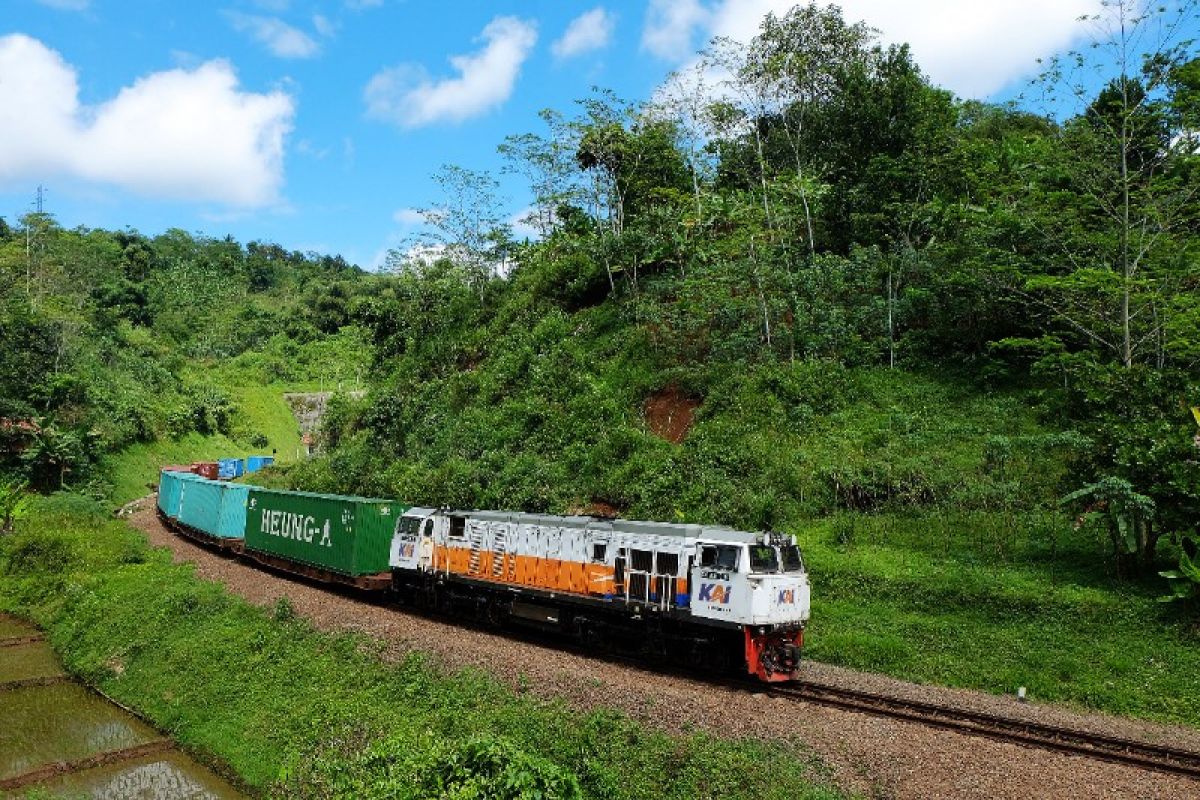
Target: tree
(548,166)
(53,453)
(793,69)
(1117,201)
(468,227)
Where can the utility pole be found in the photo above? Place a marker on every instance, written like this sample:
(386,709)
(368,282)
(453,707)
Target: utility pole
(39,204)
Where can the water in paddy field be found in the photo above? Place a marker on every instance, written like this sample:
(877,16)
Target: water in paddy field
(59,737)
(170,776)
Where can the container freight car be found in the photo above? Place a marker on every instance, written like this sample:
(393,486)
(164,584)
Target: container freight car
(344,539)
(211,512)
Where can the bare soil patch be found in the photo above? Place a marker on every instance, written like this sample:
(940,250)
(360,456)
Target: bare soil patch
(670,414)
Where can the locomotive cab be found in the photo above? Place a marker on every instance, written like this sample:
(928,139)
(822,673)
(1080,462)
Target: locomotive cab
(412,540)
(760,585)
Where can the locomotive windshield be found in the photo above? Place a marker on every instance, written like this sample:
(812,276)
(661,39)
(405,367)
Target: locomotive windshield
(791,559)
(763,558)
(720,556)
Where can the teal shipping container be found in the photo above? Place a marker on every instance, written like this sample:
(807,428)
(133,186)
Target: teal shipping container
(200,504)
(168,492)
(231,524)
(346,535)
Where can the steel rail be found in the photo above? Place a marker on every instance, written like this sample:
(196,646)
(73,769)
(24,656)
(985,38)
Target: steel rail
(1131,752)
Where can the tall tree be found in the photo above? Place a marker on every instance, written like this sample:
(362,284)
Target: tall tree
(1123,189)
(468,226)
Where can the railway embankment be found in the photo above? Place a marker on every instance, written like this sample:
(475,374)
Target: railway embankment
(864,753)
(298,711)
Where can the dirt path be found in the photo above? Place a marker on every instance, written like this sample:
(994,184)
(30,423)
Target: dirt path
(876,756)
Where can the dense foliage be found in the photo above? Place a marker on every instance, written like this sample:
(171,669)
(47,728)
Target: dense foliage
(110,339)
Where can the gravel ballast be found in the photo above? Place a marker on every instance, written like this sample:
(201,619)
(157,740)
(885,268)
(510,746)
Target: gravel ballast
(876,756)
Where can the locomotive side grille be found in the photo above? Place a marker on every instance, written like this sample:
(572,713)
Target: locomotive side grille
(475,538)
(499,549)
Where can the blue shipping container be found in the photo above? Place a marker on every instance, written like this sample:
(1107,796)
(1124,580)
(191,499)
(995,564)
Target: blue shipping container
(200,505)
(229,468)
(232,521)
(255,463)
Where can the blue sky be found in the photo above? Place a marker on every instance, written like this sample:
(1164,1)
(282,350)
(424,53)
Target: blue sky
(316,123)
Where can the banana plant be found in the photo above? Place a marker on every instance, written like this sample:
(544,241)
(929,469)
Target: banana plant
(1185,581)
(13,501)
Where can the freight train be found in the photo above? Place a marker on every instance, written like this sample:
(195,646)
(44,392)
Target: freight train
(685,594)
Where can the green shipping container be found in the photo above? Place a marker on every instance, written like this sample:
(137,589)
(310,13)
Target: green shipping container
(347,535)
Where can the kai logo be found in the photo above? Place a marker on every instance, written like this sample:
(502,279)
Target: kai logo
(715,593)
(786,597)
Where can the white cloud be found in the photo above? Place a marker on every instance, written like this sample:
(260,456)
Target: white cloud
(589,31)
(280,38)
(974,49)
(184,134)
(408,96)
(323,26)
(66,5)
(670,26)
(306,148)
(409,216)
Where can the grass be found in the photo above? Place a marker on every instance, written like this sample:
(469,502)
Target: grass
(978,601)
(297,713)
(262,411)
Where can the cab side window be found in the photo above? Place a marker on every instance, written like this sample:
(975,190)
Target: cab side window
(720,556)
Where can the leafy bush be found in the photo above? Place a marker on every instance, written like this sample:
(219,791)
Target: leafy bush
(1184,582)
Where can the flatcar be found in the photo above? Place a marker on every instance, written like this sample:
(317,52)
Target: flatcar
(686,594)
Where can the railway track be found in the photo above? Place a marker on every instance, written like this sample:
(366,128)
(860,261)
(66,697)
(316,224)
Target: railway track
(1160,758)
(1130,752)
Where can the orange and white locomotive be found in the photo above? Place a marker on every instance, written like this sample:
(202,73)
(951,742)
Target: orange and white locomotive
(691,594)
